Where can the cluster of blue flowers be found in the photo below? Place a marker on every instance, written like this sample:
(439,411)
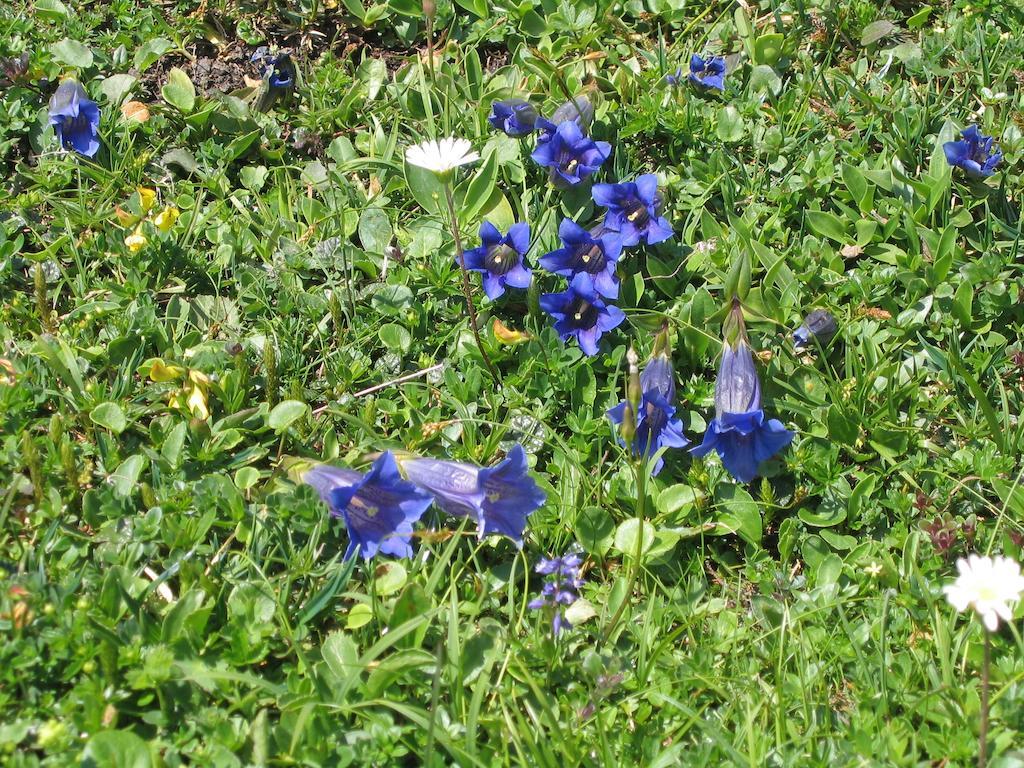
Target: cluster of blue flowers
(380,507)
(588,258)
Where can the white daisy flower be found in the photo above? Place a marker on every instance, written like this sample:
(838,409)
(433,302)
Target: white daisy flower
(991,586)
(442,156)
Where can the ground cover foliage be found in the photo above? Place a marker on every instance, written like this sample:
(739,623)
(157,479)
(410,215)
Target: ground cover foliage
(233,287)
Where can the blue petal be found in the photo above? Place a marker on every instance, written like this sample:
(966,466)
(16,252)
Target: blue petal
(494,286)
(519,237)
(489,234)
(454,486)
(658,230)
(956,152)
(510,496)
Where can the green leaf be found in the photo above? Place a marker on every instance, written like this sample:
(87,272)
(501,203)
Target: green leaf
(768,48)
(595,530)
(72,53)
(150,51)
(425,187)
(246,478)
(375,230)
(181,158)
(341,653)
(110,416)
(50,10)
(126,476)
(731,126)
(830,512)
(740,514)
(116,749)
(828,224)
(285,414)
(677,498)
(919,18)
(479,189)
(178,91)
(765,78)
(477,7)
(359,615)
(391,576)
(395,337)
(173,443)
(116,87)
(628,537)
(876,30)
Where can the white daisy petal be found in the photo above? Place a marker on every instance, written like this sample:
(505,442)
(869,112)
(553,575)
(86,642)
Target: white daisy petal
(441,156)
(990,586)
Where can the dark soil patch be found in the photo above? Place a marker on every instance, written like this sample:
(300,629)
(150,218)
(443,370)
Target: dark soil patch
(212,70)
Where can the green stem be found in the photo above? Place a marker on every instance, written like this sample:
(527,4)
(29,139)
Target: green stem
(983,729)
(640,472)
(466,290)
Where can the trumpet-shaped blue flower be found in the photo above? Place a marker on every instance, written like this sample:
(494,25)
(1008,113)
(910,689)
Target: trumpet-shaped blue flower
(379,508)
(578,311)
(656,424)
(676,78)
(740,433)
(500,258)
(707,73)
(634,210)
(515,117)
(561,588)
(570,154)
(819,324)
(499,498)
(973,153)
(594,254)
(75,118)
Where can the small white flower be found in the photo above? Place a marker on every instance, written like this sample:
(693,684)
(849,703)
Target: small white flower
(992,586)
(441,156)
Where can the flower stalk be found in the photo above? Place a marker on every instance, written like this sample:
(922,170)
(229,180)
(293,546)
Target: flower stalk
(466,289)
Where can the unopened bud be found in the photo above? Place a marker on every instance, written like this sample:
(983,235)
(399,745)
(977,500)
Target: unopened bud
(634,393)
(429,9)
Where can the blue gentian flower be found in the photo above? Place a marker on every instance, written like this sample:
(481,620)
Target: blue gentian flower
(592,253)
(707,73)
(819,324)
(500,258)
(675,78)
(499,498)
(571,155)
(633,210)
(656,424)
(280,71)
(75,118)
(974,153)
(516,117)
(379,508)
(740,433)
(561,588)
(579,311)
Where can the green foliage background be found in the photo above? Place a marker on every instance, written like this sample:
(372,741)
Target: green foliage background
(170,596)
